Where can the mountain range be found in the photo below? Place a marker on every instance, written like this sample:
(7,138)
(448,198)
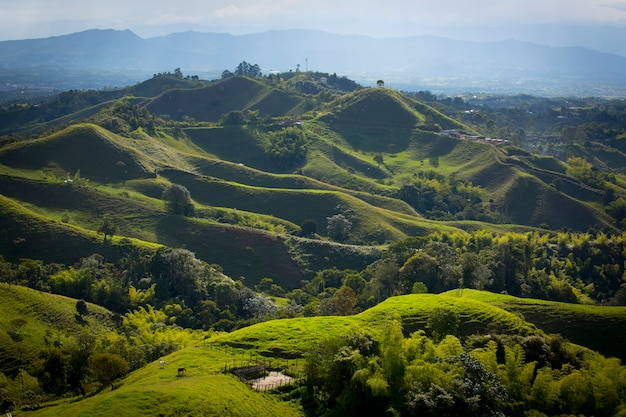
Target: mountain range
(97,58)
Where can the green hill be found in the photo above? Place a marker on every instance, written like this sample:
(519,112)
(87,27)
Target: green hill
(596,327)
(68,152)
(212,102)
(206,390)
(291,338)
(27,234)
(161,83)
(264,196)
(231,179)
(203,391)
(32,321)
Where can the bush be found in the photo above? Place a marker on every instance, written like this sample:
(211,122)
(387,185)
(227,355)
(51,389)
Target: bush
(442,322)
(178,200)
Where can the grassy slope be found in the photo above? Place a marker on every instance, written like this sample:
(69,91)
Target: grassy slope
(599,328)
(346,178)
(152,391)
(291,337)
(26,234)
(241,174)
(246,252)
(69,150)
(371,223)
(206,391)
(149,391)
(210,103)
(46,317)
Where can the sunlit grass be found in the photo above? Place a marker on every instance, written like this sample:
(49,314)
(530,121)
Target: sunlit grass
(596,327)
(203,391)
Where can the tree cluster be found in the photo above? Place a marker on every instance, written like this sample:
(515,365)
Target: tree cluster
(178,200)
(191,293)
(80,362)
(491,375)
(567,267)
(125,117)
(440,198)
(244,69)
(286,147)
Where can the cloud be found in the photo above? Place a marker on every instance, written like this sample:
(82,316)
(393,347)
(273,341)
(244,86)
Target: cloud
(371,17)
(620,6)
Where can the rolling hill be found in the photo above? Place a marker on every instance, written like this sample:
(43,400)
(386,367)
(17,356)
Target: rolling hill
(229,175)
(206,389)
(595,327)
(314,200)
(212,102)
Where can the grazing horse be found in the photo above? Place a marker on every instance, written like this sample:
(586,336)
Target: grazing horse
(162,364)
(182,371)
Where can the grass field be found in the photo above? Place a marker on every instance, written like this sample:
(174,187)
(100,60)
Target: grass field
(203,391)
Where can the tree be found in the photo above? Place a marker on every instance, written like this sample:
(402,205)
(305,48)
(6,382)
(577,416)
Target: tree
(178,273)
(342,303)
(53,378)
(308,228)
(582,170)
(178,200)
(81,308)
(420,267)
(79,361)
(287,147)
(338,227)
(107,228)
(617,209)
(107,367)
(233,118)
(245,69)
(442,322)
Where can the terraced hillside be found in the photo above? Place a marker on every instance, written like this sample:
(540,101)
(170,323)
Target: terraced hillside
(364,156)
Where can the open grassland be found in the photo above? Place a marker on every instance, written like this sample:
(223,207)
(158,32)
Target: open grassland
(237,144)
(203,391)
(211,102)
(599,328)
(530,201)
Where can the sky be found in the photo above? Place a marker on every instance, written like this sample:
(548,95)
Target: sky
(23,19)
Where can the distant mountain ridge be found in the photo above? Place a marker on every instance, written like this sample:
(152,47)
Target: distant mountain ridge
(411,63)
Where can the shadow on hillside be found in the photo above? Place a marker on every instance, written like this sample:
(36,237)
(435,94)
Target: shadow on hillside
(370,138)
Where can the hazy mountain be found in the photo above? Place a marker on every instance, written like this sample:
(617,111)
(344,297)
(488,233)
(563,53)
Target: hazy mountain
(609,39)
(412,63)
